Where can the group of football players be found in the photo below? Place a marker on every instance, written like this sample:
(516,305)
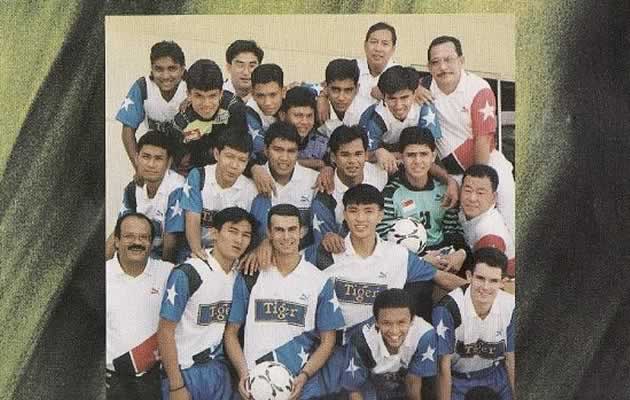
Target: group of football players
(255,229)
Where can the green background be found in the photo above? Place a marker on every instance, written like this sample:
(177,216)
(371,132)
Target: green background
(572,189)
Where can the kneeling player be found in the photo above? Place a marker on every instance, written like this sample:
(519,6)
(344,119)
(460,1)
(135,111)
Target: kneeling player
(475,331)
(194,310)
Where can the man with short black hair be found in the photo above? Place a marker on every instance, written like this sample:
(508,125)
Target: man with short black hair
(241,58)
(379,47)
(133,291)
(475,328)
(195,308)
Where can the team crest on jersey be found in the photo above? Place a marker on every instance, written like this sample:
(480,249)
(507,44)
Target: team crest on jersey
(407,206)
(481,348)
(274,310)
(357,292)
(213,313)
(206,217)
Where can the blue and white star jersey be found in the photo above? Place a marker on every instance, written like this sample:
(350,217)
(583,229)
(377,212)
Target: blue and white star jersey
(160,209)
(358,280)
(314,146)
(210,198)
(132,315)
(367,82)
(328,208)
(280,308)
(298,192)
(350,117)
(417,356)
(384,129)
(257,124)
(144,102)
(198,296)
(475,343)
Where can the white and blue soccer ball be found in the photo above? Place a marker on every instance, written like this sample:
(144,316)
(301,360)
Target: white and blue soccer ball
(270,380)
(409,233)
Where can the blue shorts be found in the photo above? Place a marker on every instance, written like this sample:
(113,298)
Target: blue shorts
(207,381)
(496,379)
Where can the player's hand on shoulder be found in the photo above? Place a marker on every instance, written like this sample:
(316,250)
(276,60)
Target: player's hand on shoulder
(386,160)
(433,257)
(323,106)
(200,253)
(263,180)
(376,93)
(423,95)
(184,104)
(333,243)
(452,194)
(325,180)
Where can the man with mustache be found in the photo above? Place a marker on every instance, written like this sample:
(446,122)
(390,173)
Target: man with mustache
(134,288)
(195,308)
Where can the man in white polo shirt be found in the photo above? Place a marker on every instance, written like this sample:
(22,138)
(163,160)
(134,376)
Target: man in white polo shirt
(195,308)
(466,109)
(210,189)
(134,287)
(379,47)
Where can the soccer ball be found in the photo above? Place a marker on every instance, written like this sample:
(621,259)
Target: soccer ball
(410,233)
(270,380)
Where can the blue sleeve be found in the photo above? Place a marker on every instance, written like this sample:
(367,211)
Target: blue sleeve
(328,316)
(176,296)
(240,301)
(259,209)
(131,111)
(445,333)
(510,335)
(125,207)
(424,360)
(191,192)
(174,221)
(370,122)
(324,221)
(256,131)
(418,269)
(429,119)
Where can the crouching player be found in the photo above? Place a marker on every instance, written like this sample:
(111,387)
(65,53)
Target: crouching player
(194,311)
(393,351)
(475,331)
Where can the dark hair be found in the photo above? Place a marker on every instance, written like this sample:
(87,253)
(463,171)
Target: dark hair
(285,210)
(282,130)
(120,220)
(299,96)
(481,393)
(341,69)
(235,138)
(490,256)
(380,26)
(234,215)
(204,75)
(391,298)
(265,73)
(243,46)
(363,194)
(483,171)
(345,134)
(416,135)
(445,39)
(167,49)
(398,78)
(155,138)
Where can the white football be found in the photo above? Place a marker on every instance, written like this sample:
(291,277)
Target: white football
(270,380)
(409,233)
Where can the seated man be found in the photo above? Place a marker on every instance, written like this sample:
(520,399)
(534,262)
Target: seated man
(294,183)
(299,110)
(342,86)
(413,193)
(262,109)
(210,189)
(482,223)
(348,152)
(135,284)
(290,312)
(396,348)
(475,328)
(370,265)
(154,98)
(194,311)
(156,197)
(385,120)
(195,130)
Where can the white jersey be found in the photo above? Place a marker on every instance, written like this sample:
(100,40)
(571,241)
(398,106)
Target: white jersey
(372,175)
(351,117)
(366,81)
(358,280)
(132,306)
(198,297)
(298,191)
(394,126)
